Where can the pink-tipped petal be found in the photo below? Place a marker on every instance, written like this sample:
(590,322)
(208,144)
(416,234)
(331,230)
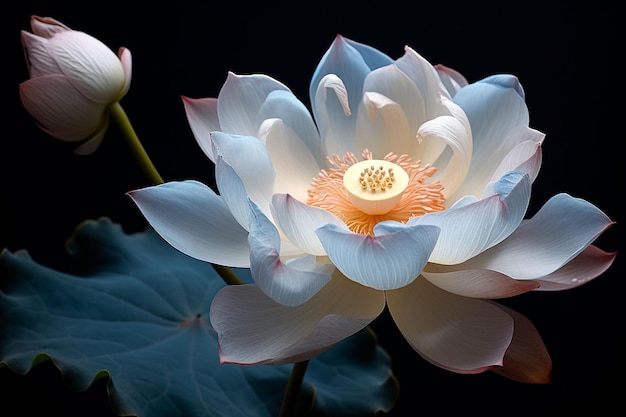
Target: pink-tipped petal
(527,359)
(463,335)
(476,283)
(202,117)
(61,110)
(589,264)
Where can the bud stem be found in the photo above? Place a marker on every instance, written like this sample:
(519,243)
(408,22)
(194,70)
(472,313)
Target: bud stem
(119,115)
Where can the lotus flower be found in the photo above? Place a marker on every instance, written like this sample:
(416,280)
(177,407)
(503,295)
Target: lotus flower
(407,188)
(73,78)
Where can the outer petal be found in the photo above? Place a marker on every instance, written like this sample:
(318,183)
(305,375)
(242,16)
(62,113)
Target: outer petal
(90,65)
(38,59)
(202,117)
(391,259)
(290,285)
(476,283)
(588,265)
(240,99)
(92,143)
(460,334)
(127,65)
(299,221)
(562,229)
(527,359)
(61,110)
(469,229)
(254,329)
(194,220)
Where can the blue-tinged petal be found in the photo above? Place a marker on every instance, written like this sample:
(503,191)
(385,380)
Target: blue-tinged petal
(372,56)
(233,192)
(469,229)
(561,229)
(299,221)
(589,264)
(461,334)
(505,81)
(194,220)
(249,158)
(294,164)
(254,329)
(283,105)
(351,62)
(493,110)
(290,285)
(240,99)
(202,117)
(476,283)
(390,259)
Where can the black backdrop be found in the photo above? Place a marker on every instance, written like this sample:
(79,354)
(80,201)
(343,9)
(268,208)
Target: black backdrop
(566,56)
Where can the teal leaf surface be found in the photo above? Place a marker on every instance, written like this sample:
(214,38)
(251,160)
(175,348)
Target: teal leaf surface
(135,309)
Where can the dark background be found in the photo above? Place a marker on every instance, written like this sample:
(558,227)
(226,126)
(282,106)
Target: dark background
(567,56)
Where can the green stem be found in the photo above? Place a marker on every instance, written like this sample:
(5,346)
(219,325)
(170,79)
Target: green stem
(227,275)
(119,115)
(290,400)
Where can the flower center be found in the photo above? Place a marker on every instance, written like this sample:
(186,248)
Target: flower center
(375,186)
(367,192)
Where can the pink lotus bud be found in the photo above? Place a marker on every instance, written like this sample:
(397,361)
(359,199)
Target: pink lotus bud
(73,78)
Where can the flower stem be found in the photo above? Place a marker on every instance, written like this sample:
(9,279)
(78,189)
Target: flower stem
(119,115)
(290,400)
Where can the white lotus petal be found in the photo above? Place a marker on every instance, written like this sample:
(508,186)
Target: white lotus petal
(391,259)
(253,329)
(460,334)
(299,221)
(240,99)
(290,285)
(589,264)
(194,220)
(202,117)
(560,230)
(476,283)
(469,229)
(294,164)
